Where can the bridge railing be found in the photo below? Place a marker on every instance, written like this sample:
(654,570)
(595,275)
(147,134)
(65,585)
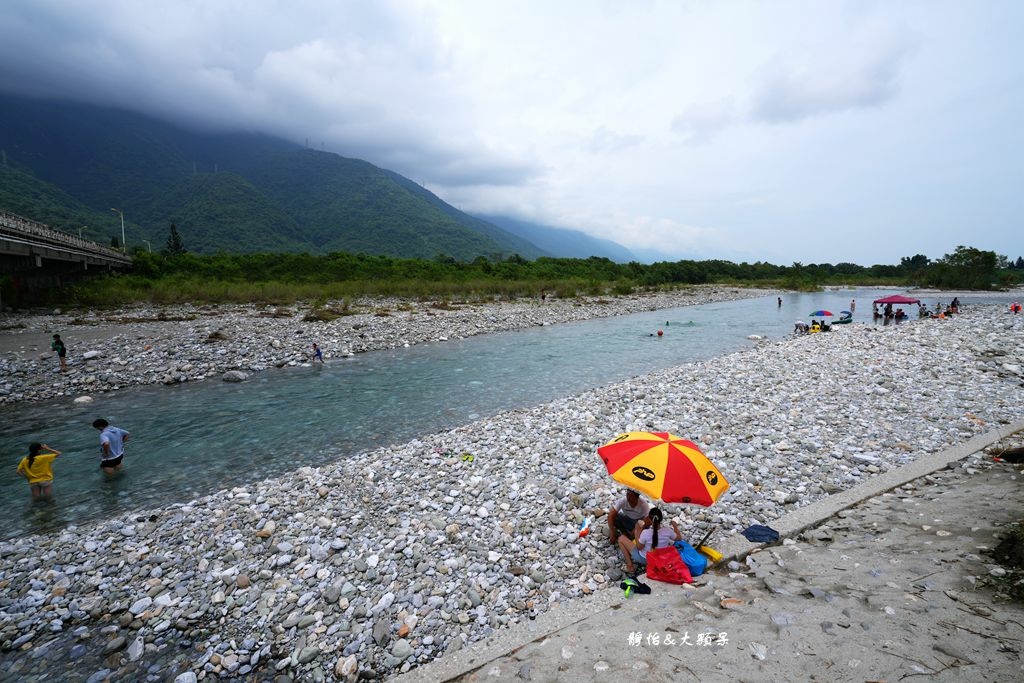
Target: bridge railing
(13,224)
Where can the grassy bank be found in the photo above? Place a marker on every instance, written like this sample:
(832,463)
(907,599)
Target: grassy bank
(118,291)
(287,278)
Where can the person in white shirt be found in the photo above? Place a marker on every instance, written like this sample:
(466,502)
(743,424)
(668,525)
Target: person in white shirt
(112,441)
(648,539)
(624,515)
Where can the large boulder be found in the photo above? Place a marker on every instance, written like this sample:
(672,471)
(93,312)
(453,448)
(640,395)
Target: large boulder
(235,376)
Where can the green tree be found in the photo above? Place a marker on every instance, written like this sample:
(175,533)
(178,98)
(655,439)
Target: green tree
(966,267)
(174,246)
(114,242)
(914,263)
(798,277)
(915,266)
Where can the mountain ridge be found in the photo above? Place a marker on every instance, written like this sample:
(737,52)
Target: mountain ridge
(68,164)
(563,241)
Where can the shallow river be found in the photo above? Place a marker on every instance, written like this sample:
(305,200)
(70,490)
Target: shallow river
(192,439)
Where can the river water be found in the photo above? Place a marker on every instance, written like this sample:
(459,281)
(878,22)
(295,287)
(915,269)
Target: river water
(193,439)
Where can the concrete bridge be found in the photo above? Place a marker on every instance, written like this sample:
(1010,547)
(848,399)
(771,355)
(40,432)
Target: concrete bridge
(35,257)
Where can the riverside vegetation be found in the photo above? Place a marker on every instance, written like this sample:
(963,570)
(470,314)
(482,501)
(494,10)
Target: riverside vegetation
(170,278)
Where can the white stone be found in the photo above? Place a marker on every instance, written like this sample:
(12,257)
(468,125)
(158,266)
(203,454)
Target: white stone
(140,606)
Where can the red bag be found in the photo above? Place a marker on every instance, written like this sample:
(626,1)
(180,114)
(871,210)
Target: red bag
(665,564)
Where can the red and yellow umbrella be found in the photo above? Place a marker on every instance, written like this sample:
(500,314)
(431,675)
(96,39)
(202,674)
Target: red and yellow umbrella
(664,467)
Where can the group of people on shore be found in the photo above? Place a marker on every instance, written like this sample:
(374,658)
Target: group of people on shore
(803,328)
(37,466)
(888,313)
(635,527)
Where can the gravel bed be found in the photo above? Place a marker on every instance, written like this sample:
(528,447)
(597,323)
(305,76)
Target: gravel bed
(373,565)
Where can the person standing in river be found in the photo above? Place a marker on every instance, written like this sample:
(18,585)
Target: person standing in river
(58,345)
(37,468)
(318,354)
(112,441)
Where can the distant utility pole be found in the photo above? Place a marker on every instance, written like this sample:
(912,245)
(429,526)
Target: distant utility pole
(120,213)
(3,153)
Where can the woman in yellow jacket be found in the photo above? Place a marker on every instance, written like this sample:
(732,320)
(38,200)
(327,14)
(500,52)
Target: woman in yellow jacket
(37,467)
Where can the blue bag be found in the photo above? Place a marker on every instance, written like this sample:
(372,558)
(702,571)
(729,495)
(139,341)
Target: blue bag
(758,533)
(696,561)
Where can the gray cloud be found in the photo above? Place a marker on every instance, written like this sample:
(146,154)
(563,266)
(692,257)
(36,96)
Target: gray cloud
(788,95)
(363,79)
(794,94)
(699,123)
(491,103)
(604,139)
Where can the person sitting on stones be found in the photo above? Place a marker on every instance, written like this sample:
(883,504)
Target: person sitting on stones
(647,539)
(625,514)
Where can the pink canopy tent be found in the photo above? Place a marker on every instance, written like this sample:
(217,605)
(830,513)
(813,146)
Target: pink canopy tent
(897,299)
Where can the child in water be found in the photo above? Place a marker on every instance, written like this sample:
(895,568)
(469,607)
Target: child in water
(37,467)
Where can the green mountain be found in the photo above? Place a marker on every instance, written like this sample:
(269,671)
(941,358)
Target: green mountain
(24,194)
(67,165)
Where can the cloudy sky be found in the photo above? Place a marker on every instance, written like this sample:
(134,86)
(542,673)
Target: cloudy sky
(811,131)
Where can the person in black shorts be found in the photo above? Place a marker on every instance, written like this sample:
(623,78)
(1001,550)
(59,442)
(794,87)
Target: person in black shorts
(625,514)
(112,441)
(58,345)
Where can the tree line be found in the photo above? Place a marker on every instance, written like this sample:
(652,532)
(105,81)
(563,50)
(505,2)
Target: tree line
(965,267)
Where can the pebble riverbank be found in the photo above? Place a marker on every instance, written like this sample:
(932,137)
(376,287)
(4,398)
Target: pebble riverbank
(373,565)
(111,350)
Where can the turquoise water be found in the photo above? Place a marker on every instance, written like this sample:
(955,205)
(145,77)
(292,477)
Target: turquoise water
(193,439)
